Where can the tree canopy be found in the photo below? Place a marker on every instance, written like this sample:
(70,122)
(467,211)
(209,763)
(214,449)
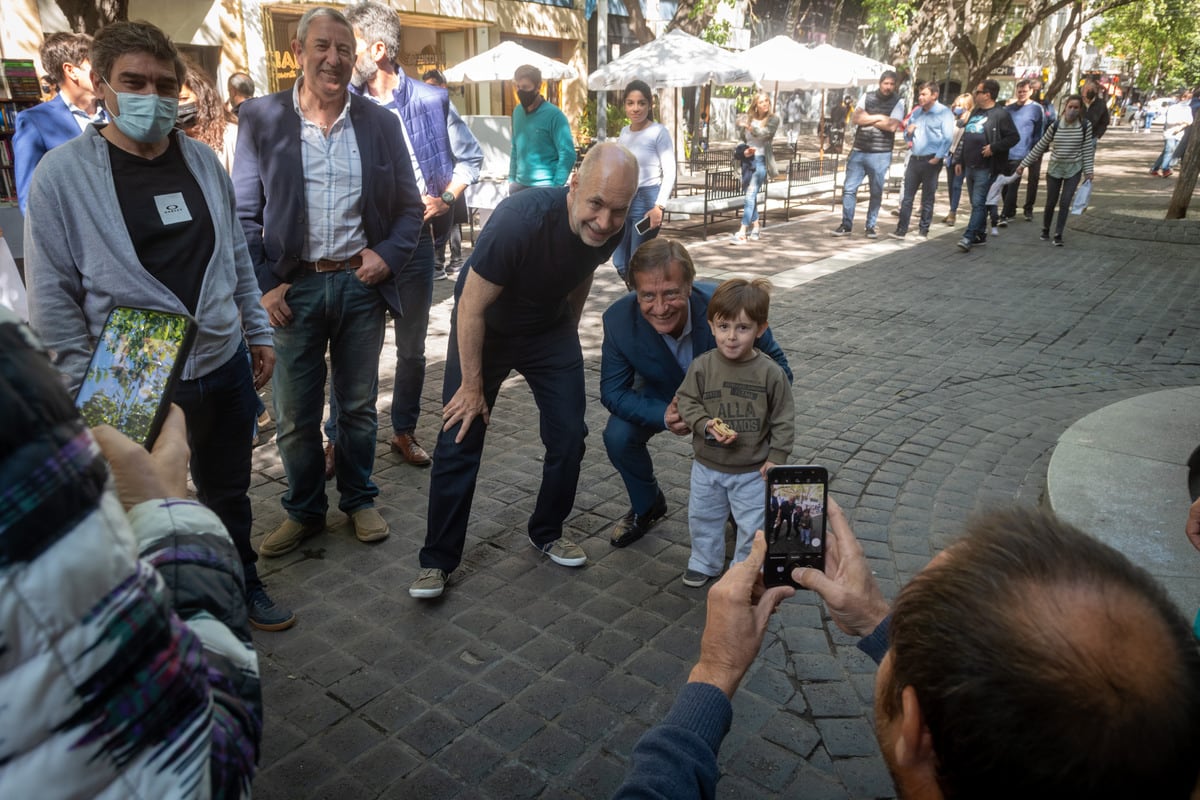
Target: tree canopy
(1159,39)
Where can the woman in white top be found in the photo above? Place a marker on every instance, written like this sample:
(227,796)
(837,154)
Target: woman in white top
(651,144)
(758,129)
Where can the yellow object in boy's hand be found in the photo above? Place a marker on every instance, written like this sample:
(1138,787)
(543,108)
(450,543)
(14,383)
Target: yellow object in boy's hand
(719,427)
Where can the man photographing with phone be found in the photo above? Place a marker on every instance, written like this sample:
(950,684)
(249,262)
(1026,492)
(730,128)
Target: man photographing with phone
(1026,660)
(170,241)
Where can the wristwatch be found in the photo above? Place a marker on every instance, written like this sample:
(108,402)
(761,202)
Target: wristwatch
(448,197)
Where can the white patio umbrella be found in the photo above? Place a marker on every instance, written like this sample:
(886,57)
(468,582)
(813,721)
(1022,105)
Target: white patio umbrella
(673,60)
(499,63)
(843,65)
(794,66)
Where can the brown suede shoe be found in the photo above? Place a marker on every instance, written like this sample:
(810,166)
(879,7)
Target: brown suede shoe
(288,536)
(369,525)
(329,463)
(406,445)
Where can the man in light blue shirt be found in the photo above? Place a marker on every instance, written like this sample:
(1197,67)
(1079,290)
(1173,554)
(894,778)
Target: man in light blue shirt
(929,134)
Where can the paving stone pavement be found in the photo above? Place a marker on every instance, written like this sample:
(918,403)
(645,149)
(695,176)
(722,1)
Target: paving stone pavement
(931,383)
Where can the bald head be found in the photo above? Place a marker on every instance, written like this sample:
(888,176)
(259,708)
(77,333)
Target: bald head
(610,159)
(601,191)
(1046,664)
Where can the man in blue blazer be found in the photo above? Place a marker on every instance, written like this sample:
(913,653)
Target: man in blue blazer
(651,336)
(65,59)
(329,205)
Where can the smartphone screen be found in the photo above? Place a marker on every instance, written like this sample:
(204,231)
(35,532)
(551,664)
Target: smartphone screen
(643,225)
(795,521)
(133,371)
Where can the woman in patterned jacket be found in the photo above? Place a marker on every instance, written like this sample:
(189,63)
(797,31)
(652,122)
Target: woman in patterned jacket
(126,664)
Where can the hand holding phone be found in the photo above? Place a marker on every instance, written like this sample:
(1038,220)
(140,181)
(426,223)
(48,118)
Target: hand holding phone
(644,225)
(847,584)
(133,372)
(795,518)
(140,476)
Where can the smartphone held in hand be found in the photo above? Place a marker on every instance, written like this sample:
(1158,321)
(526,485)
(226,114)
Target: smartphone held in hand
(795,521)
(133,372)
(643,225)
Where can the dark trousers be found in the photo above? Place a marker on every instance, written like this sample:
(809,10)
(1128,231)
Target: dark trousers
(626,445)
(1054,186)
(1009,192)
(220,409)
(552,364)
(1032,174)
(919,172)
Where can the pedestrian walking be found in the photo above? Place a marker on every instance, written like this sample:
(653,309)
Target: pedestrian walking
(964,104)
(1071,157)
(758,130)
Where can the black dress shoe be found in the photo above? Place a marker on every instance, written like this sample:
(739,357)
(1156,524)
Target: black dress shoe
(634,526)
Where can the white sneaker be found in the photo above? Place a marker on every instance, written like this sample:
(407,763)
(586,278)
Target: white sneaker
(995,231)
(431,582)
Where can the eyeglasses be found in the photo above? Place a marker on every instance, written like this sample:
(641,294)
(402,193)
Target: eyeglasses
(980,91)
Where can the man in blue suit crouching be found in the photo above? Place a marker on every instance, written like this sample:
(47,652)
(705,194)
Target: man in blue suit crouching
(651,336)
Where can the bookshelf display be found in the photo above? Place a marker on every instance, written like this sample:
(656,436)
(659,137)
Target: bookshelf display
(19,90)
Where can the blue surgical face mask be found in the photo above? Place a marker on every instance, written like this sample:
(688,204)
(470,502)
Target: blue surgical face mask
(958,111)
(145,118)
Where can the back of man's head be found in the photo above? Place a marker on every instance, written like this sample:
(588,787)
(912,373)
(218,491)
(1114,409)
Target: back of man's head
(240,84)
(63,48)
(1046,664)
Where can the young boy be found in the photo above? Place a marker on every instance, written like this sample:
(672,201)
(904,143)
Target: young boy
(738,403)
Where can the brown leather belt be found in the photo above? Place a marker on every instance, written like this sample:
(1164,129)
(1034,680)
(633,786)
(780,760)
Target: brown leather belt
(326,265)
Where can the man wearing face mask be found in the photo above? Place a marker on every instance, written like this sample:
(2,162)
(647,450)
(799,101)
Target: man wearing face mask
(1095,109)
(170,242)
(543,152)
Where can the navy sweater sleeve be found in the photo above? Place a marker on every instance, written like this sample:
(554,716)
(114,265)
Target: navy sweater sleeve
(678,757)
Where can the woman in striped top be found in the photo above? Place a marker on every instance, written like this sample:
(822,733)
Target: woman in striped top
(1070,143)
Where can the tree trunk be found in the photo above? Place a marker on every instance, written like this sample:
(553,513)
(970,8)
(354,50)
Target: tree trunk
(1062,64)
(637,21)
(1189,168)
(688,21)
(89,16)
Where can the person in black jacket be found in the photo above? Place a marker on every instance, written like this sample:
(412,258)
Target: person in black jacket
(981,154)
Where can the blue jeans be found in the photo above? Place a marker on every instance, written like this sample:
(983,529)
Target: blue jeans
(631,240)
(552,364)
(415,285)
(978,180)
(625,442)
(220,409)
(954,183)
(750,207)
(919,174)
(872,166)
(713,496)
(1167,154)
(338,311)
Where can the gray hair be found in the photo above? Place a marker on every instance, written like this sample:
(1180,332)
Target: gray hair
(375,22)
(313,13)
